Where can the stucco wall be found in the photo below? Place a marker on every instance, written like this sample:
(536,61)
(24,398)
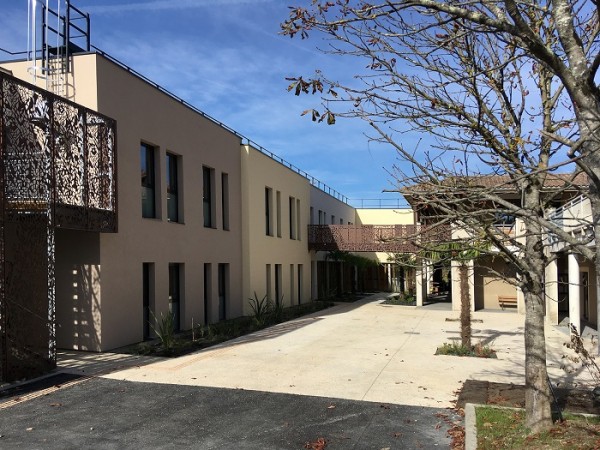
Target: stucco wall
(259,249)
(78,290)
(385,216)
(143,113)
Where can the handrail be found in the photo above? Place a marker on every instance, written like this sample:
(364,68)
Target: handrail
(379,203)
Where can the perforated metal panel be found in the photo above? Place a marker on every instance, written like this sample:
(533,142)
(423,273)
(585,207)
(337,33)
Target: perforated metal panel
(57,169)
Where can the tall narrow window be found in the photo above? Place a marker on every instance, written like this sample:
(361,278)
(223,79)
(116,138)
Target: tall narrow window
(175,295)
(172,188)
(278,214)
(208,193)
(223,288)
(298,219)
(225,200)
(147,155)
(292,217)
(207,291)
(300,281)
(321,217)
(269,211)
(278,296)
(292,282)
(332,219)
(147,295)
(268,282)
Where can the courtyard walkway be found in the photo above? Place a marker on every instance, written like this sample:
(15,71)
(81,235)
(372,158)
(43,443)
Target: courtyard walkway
(360,351)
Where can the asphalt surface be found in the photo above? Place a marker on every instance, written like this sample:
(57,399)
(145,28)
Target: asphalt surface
(111,414)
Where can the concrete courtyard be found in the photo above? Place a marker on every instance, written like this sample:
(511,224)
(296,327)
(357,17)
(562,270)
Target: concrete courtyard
(361,375)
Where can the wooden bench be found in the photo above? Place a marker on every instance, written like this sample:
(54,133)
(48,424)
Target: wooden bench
(507,300)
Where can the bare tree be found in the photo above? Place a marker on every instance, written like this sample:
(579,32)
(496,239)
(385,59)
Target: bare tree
(502,119)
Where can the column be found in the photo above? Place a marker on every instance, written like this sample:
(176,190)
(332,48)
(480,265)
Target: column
(455,283)
(551,292)
(429,277)
(574,292)
(419,284)
(471,273)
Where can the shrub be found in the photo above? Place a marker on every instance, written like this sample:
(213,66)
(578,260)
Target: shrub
(165,330)
(457,349)
(261,309)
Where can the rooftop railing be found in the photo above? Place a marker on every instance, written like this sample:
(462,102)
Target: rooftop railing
(245,140)
(379,203)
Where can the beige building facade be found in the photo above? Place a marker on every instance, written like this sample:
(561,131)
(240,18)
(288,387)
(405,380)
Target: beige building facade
(205,224)
(179,242)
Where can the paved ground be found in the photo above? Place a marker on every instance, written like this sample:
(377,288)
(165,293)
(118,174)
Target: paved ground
(361,375)
(109,414)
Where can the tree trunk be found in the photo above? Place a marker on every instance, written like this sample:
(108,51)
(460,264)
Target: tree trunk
(537,396)
(465,305)
(538,400)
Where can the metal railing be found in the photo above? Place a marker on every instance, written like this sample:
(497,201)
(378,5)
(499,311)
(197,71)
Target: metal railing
(379,203)
(245,140)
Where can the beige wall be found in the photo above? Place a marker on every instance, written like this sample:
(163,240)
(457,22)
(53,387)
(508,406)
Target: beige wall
(143,113)
(489,284)
(259,249)
(385,216)
(78,290)
(83,68)
(330,206)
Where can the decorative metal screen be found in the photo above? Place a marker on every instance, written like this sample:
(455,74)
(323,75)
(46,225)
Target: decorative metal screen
(374,238)
(57,169)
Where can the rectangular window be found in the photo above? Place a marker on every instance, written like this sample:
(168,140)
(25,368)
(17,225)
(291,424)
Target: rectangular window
(278,214)
(147,298)
(172,188)
(223,281)
(298,219)
(208,195)
(341,221)
(278,296)
(292,217)
(207,291)
(268,282)
(175,294)
(321,218)
(269,211)
(332,219)
(147,160)
(292,282)
(225,200)
(300,281)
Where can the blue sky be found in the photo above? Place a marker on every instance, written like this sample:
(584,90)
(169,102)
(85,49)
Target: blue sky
(226,58)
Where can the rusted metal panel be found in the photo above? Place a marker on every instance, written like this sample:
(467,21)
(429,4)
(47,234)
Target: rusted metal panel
(374,238)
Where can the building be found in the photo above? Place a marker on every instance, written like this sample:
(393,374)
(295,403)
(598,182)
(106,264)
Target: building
(199,220)
(570,279)
(121,203)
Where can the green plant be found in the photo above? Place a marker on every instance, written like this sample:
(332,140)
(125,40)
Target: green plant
(203,331)
(277,311)
(164,328)
(457,349)
(261,309)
